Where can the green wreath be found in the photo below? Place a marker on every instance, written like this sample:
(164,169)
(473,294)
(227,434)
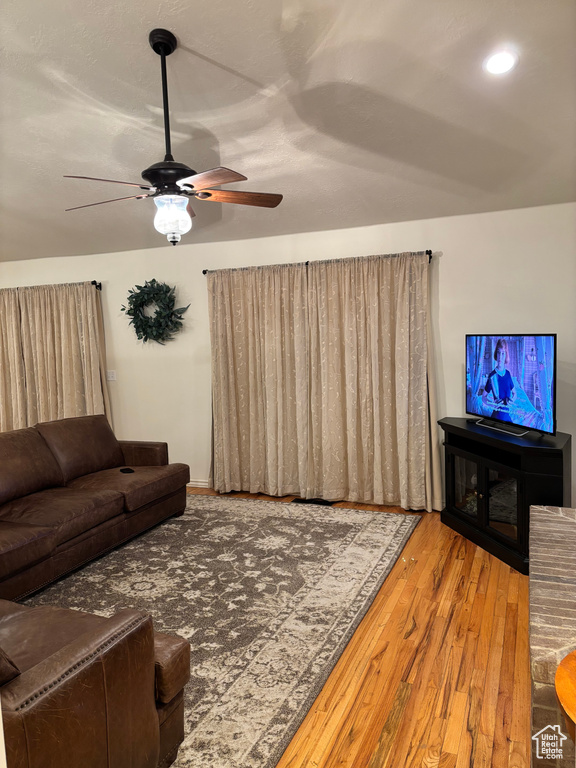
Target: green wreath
(165,322)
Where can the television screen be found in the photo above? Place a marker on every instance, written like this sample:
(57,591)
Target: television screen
(512,380)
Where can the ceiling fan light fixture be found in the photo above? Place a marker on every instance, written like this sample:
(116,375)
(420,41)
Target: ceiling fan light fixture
(172,218)
(501,62)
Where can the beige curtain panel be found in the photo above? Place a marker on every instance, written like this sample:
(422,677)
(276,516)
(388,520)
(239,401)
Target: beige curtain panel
(321,381)
(52,354)
(12,379)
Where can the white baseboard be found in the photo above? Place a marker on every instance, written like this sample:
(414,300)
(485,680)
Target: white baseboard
(198,484)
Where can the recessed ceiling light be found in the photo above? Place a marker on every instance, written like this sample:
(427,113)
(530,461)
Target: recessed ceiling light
(500,62)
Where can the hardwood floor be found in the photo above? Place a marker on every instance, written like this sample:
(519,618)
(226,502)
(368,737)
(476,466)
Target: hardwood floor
(437,673)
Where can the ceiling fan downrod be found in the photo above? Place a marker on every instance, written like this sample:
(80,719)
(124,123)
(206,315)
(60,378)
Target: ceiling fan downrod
(164,43)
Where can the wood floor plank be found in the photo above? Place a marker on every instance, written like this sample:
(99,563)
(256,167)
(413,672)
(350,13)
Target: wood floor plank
(491,675)
(466,613)
(482,650)
(519,754)
(379,755)
(502,590)
(469,736)
(455,720)
(465,743)
(413,731)
(433,751)
(436,675)
(423,719)
(475,623)
(484,574)
(521,701)
(447,760)
(448,688)
(513,587)
(503,718)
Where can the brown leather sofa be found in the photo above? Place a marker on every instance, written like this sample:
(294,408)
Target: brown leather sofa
(82,691)
(65,500)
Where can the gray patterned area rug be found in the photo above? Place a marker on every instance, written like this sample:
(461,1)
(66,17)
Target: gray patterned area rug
(267,593)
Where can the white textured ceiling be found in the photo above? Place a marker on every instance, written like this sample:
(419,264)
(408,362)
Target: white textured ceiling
(357,111)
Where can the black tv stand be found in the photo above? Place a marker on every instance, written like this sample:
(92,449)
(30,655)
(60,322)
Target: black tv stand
(508,429)
(492,479)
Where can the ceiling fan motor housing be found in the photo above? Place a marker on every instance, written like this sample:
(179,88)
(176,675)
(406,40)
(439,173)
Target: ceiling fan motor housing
(164,176)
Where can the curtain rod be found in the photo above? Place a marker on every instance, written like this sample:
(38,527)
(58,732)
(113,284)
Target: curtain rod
(52,285)
(428,253)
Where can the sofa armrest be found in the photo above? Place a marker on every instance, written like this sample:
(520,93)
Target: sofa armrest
(140,453)
(89,704)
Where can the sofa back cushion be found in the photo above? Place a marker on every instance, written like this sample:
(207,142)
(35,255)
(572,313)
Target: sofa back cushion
(82,445)
(26,464)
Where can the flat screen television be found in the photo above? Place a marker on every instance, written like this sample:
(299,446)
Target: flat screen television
(511,381)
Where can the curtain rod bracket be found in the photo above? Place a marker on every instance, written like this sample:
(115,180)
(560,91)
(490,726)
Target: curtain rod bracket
(98,285)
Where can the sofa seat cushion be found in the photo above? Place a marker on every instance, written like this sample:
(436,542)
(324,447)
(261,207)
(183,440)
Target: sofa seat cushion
(69,512)
(172,665)
(26,464)
(22,545)
(82,445)
(142,486)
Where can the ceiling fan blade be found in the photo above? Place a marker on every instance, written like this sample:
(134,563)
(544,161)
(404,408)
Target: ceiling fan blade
(130,197)
(211,178)
(129,183)
(191,210)
(261,199)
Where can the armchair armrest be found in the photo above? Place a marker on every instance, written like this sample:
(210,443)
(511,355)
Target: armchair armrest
(141,453)
(89,704)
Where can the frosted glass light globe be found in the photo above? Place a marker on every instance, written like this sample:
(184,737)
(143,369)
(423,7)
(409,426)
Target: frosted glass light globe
(501,62)
(172,218)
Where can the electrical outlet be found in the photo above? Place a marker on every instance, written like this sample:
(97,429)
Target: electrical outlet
(111,375)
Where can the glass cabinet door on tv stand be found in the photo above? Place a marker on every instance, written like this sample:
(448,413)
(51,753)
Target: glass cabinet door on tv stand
(492,480)
(487,496)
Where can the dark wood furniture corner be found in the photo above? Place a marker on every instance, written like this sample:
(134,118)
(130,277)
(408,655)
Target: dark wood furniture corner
(493,478)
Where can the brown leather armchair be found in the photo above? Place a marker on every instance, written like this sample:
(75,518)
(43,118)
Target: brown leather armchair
(84,691)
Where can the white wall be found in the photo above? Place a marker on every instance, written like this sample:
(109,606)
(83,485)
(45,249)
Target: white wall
(504,272)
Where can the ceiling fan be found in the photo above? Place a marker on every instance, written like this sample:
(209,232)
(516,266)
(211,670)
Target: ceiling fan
(171,184)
